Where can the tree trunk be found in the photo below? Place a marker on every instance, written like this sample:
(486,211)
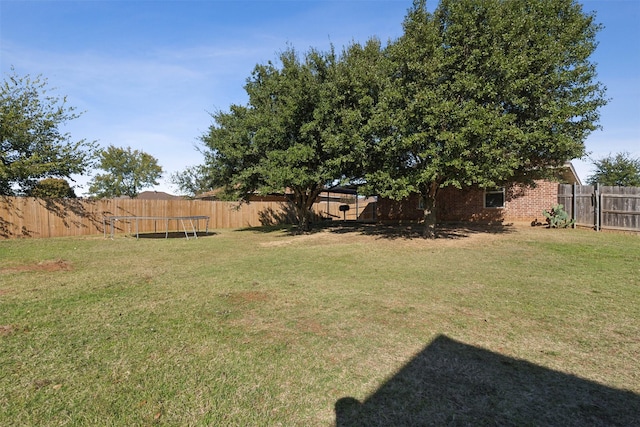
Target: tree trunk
(304,202)
(430,218)
(304,224)
(304,220)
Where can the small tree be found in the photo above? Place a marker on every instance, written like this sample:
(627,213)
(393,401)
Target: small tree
(619,170)
(128,171)
(31,144)
(53,188)
(193,180)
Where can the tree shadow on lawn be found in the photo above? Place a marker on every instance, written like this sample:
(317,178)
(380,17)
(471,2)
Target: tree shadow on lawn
(453,383)
(390,231)
(173,235)
(455,230)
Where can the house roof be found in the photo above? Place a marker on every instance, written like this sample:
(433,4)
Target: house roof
(343,189)
(569,175)
(209,195)
(157,195)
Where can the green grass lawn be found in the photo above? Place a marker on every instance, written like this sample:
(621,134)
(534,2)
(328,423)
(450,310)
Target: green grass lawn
(356,326)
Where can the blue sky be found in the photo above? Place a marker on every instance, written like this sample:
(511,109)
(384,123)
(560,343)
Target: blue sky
(148,73)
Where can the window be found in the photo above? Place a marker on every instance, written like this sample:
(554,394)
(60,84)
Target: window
(494,197)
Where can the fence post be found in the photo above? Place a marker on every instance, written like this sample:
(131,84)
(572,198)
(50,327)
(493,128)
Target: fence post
(574,204)
(596,204)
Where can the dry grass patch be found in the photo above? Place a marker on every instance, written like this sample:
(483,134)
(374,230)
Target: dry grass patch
(247,297)
(46,266)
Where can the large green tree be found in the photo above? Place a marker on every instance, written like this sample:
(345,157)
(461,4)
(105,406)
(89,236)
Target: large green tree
(621,170)
(32,146)
(127,172)
(483,93)
(304,127)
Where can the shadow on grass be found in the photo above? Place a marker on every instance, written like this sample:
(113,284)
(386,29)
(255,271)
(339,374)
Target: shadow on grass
(386,231)
(287,228)
(172,235)
(415,231)
(452,383)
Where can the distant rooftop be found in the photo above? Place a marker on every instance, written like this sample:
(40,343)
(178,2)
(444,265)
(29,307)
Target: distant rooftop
(155,195)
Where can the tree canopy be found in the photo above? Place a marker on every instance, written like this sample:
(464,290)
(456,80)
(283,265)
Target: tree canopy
(127,172)
(301,130)
(52,188)
(192,181)
(619,170)
(478,93)
(483,93)
(32,146)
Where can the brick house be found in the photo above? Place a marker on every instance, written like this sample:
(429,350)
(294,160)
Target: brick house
(513,203)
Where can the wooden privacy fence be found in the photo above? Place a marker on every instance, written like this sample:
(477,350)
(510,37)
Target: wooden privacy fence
(602,207)
(33,217)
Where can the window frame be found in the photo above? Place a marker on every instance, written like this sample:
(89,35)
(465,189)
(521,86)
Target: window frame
(494,191)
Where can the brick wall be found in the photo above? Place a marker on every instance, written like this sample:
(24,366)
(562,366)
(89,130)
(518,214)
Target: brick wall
(397,211)
(527,203)
(466,205)
(521,204)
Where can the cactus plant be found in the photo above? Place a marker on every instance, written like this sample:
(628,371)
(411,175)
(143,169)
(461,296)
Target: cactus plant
(557,217)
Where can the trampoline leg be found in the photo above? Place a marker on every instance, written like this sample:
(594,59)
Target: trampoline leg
(184,228)
(195,233)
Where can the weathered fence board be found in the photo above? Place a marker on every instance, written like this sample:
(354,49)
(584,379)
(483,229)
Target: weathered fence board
(614,208)
(620,208)
(579,202)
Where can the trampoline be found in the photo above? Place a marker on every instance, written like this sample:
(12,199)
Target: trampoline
(188,223)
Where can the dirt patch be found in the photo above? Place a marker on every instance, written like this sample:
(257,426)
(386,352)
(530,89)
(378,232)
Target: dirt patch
(6,330)
(320,235)
(246,297)
(49,266)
